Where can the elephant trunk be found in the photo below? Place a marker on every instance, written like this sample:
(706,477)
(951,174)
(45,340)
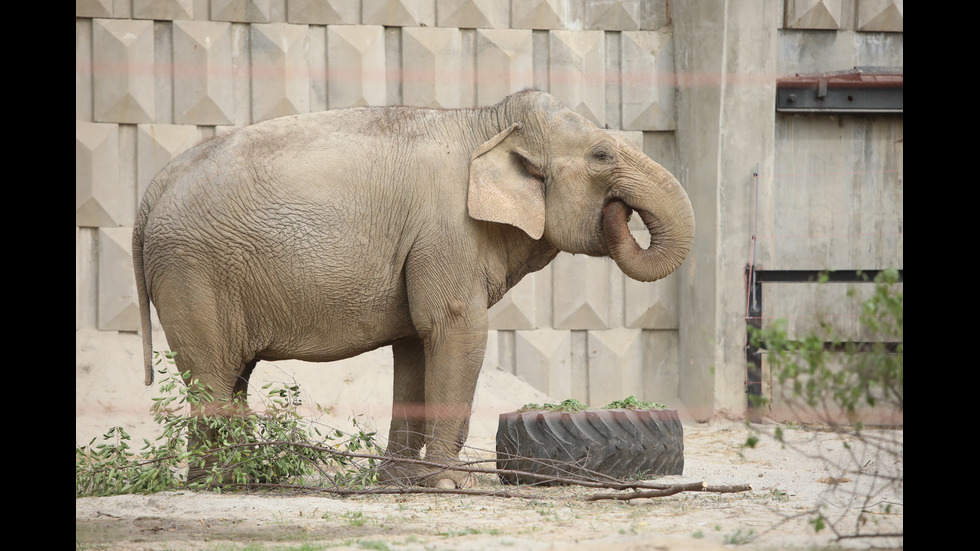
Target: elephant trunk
(668,217)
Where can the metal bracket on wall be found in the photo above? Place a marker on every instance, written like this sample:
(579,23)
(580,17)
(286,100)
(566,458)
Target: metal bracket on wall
(754,280)
(866,90)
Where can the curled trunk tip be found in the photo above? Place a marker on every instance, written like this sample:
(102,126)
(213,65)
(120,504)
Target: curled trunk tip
(670,240)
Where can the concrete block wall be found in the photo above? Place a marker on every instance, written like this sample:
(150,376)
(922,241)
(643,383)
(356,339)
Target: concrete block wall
(692,83)
(837,15)
(153,78)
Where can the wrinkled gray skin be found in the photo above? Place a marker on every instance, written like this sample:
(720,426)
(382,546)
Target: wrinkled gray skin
(321,236)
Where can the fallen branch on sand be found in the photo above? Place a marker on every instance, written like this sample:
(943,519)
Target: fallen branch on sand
(673,489)
(635,489)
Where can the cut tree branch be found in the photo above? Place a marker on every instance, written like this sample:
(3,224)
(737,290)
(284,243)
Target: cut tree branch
(640,489)
(673,489)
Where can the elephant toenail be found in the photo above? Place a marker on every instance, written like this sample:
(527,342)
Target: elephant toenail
(446,484)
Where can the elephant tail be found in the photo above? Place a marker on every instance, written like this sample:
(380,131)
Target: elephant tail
(154,191)
(142,295)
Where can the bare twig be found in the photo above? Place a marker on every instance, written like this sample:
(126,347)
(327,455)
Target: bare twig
(673,489)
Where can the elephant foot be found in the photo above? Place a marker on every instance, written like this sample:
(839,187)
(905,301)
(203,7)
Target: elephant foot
(199,475)
(198,472)
(195,474)
(401,473)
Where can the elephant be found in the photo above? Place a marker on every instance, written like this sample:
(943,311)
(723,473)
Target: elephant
(324,235)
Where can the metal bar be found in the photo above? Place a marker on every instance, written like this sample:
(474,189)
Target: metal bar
(860,90)
(753,280)
(842,99)
(753,356)
(812,276)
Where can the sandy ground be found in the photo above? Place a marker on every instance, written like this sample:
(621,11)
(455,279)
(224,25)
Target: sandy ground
(814,469)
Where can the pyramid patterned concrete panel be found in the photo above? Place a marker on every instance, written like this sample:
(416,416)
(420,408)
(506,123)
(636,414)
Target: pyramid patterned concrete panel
(222,130)
(491,360)
(613,15)
(242,11)
(504,63)
(517,309)
(86,277)
(577,74)
(93,8)
(541,14)
(83,69)
(316,60)
(813,14)
(615,356)
(473,14)
(122,71)
(399,13)
(662,148)
(881,16)
(280,73)
(203,76)
(659,367)
(98,201)
(118,310)
(543,359)
(162,10)
(323,12)
(356,66)
(651,305)
(431,71)
(157,145)
(633,137)
(654,14)
(648,80)
(582,291)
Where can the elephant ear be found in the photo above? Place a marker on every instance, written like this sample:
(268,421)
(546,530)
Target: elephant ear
(505,186)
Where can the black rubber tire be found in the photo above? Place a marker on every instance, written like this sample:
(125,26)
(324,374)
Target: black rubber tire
(619,443)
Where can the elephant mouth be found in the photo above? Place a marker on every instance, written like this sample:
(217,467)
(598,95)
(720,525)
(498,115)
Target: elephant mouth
(617,213)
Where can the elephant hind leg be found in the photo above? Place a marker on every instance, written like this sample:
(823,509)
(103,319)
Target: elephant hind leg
(210,438)
(223,377)
(406,436)
(207,344)
(240,390)
(210,344)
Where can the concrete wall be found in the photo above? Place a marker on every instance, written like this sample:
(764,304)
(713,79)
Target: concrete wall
(692,83)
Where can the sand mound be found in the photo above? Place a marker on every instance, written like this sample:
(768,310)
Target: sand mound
(109,390)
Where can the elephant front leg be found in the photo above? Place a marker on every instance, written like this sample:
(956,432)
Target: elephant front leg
(434,383)
(447,302)
(452,367)
(433,392)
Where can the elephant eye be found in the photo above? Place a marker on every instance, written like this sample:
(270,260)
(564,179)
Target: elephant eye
(602,155)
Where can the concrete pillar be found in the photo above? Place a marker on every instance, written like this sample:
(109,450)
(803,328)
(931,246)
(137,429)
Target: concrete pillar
(725,55)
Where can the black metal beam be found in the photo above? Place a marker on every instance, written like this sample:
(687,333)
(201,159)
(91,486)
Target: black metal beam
(754,280)
(813,276)
(841,99)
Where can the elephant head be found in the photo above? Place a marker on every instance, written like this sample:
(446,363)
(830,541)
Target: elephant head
(555,175)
